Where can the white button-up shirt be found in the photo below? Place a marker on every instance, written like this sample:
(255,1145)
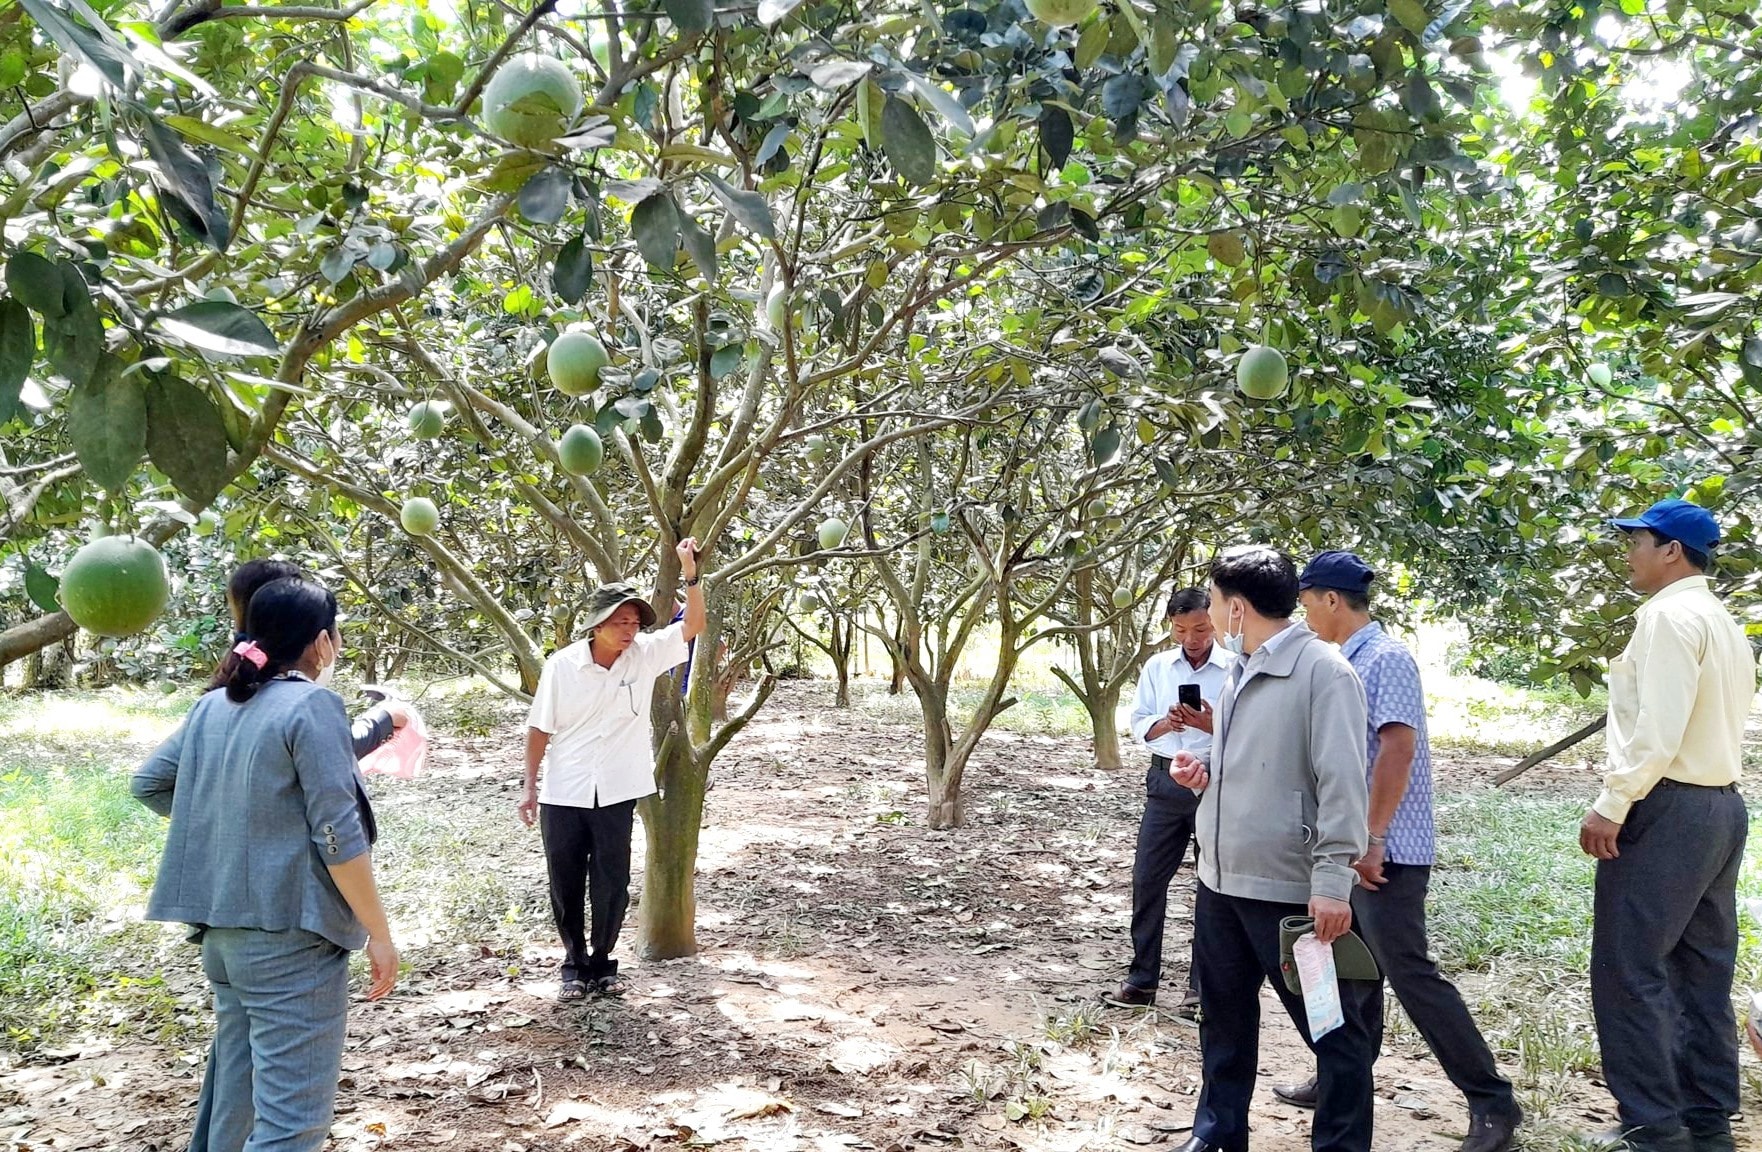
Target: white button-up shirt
(1159,689)
(598,719)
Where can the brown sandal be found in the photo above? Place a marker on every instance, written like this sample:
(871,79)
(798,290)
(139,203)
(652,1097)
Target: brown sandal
(572,990)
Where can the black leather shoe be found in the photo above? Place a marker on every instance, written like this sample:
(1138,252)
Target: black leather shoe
(1493,1131)
(1720,1141)
(1302,1095)
(1130,996)
(1195,1144)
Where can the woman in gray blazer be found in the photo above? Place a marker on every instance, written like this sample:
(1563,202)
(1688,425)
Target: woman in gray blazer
(267,859)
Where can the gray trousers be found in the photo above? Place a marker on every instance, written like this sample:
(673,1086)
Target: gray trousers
(281,1002)
(1392,921)
(1663,956)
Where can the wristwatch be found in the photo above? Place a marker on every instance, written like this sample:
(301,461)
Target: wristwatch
(693,581)
(1375,839)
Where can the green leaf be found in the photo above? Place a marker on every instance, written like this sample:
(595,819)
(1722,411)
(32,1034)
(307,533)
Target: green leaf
(654,223)
(1056,134)
(691,17)
(186,438)
(107,424)
(749,208)
(440,77)
(573,270)
(940,99)
(36,282)
(42,588)
(73,343)
(185,188)
(700,246)
(18,347)
(97,47)
(221,328)
(908,142)
(194,129)
(1412,14)
(545,197)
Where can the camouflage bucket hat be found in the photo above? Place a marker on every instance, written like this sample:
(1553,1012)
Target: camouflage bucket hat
(608,598)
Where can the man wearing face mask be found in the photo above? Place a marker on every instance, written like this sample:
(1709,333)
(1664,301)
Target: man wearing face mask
(1395,874)
(1194,667)
(1281,821)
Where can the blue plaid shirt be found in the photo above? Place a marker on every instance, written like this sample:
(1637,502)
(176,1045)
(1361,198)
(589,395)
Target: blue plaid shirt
(1393,692)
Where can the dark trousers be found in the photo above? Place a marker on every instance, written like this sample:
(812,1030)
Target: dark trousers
(587,852)
(1236,948)
(1392,921)
(1663,954)
(1164,833)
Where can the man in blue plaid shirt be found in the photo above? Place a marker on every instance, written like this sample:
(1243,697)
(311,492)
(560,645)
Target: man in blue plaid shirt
(1389,906)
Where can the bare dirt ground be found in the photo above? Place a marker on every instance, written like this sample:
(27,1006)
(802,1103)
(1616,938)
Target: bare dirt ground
(863,984)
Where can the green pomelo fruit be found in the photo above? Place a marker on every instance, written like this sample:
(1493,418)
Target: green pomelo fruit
(777,307)
(1122,597)
(580,451)
(574,362)
(531,100)
(831,533)
(427,419)
(1095,509)
(1226,248)
(1600,375)
(115,586)
(1059,13)
(1262,373)
(419,516)
(816,449)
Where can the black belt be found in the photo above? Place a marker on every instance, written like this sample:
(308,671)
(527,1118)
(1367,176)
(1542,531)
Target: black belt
(1668,783)
(1160,763)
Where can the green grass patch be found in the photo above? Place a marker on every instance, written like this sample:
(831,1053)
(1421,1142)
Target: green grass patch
(77,854)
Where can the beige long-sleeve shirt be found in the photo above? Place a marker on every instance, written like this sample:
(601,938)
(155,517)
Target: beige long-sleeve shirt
(1678,698)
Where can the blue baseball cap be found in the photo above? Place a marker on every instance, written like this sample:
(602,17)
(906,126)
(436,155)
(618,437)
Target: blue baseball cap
(1341,571)
(1690,525)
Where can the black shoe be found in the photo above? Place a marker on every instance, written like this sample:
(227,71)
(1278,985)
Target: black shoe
(1130,996)
(1302,1095)
(1188,1008)
(1195,1144)
(1719,1141)
(1493,1131)
(1641,1139)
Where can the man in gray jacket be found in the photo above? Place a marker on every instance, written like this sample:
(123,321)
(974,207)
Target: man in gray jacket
(1282,819)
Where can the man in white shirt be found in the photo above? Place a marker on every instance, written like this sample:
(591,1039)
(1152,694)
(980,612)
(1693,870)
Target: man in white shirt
(589,728)
(1166,725)
(1668,835)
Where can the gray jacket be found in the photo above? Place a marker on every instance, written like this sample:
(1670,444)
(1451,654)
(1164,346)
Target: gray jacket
(263,798)
(1285,813)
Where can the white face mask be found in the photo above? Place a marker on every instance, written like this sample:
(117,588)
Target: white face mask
(1232,642)
(326,674)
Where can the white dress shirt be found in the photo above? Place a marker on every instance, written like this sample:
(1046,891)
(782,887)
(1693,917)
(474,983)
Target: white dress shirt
(598,718)
(1159,689)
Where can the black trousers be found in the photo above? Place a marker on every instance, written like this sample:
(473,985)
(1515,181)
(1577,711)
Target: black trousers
(1392,921)
(587,852)
(1164,832)
(1236,947)
(1663,955)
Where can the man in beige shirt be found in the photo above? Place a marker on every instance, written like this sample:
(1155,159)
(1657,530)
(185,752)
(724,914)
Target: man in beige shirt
(1668,835)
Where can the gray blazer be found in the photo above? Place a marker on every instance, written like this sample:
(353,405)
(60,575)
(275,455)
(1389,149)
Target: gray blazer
(1285,814)
(263,798)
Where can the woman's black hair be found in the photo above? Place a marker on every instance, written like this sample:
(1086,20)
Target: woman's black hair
(283,619)
(240,587)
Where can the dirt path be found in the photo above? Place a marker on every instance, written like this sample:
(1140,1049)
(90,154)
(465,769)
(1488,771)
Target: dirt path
(863,984)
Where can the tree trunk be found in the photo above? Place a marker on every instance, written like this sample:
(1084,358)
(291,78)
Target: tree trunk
(1104,723)
(942,769)
(720,689)
(667,917)
(843,633)
(897,684)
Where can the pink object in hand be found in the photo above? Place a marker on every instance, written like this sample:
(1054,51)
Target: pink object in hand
(404,755)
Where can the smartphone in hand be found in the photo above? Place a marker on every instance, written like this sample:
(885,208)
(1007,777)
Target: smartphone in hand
(1189,697)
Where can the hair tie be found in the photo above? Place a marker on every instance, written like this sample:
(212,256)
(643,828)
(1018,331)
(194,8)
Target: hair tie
(249,650)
